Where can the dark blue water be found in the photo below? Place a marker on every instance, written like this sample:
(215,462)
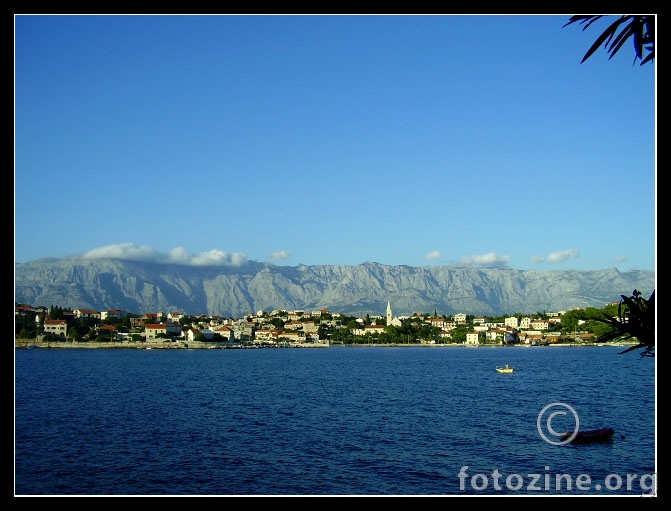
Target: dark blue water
(335,421)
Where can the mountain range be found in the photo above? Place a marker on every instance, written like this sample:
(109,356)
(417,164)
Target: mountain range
(234,291)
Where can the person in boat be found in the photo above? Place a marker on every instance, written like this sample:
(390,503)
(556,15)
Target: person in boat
(507,366)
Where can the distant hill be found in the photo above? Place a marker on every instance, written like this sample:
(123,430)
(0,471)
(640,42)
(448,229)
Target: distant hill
(141,287)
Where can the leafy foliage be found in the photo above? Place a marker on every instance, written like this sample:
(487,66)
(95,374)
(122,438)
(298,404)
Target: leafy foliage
(635,320)
(640,28)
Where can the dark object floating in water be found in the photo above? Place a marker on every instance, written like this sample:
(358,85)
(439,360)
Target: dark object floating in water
(590,436)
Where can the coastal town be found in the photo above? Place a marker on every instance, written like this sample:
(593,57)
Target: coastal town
(281,328)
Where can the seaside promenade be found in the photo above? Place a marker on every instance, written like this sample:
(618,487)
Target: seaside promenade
(161,344)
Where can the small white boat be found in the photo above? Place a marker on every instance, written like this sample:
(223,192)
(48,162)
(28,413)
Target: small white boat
(505,369)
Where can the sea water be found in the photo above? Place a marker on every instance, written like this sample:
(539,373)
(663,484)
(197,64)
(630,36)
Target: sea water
(332,421)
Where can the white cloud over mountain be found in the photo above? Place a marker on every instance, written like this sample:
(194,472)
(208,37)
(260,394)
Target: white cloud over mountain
(178,255)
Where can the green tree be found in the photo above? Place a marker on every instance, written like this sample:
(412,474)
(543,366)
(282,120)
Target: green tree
(599,329)
(353,325)
(25,325)
(641,29)
(459,334)
(324,331)
(569,321)
(55,312)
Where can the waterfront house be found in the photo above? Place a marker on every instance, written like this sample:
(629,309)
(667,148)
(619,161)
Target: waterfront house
(57,327)
(225,332)
(472,338)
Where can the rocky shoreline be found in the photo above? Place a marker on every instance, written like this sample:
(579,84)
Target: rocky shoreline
(144,345)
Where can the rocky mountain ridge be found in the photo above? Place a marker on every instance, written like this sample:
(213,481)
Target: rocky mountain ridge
(141,287)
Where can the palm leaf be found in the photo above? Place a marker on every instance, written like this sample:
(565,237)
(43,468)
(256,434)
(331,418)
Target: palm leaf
(582,19)
(640,29)
(635,320)
(604,38)
(648,58)
(621,38)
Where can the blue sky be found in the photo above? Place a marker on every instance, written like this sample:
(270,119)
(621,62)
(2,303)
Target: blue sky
(417,140)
